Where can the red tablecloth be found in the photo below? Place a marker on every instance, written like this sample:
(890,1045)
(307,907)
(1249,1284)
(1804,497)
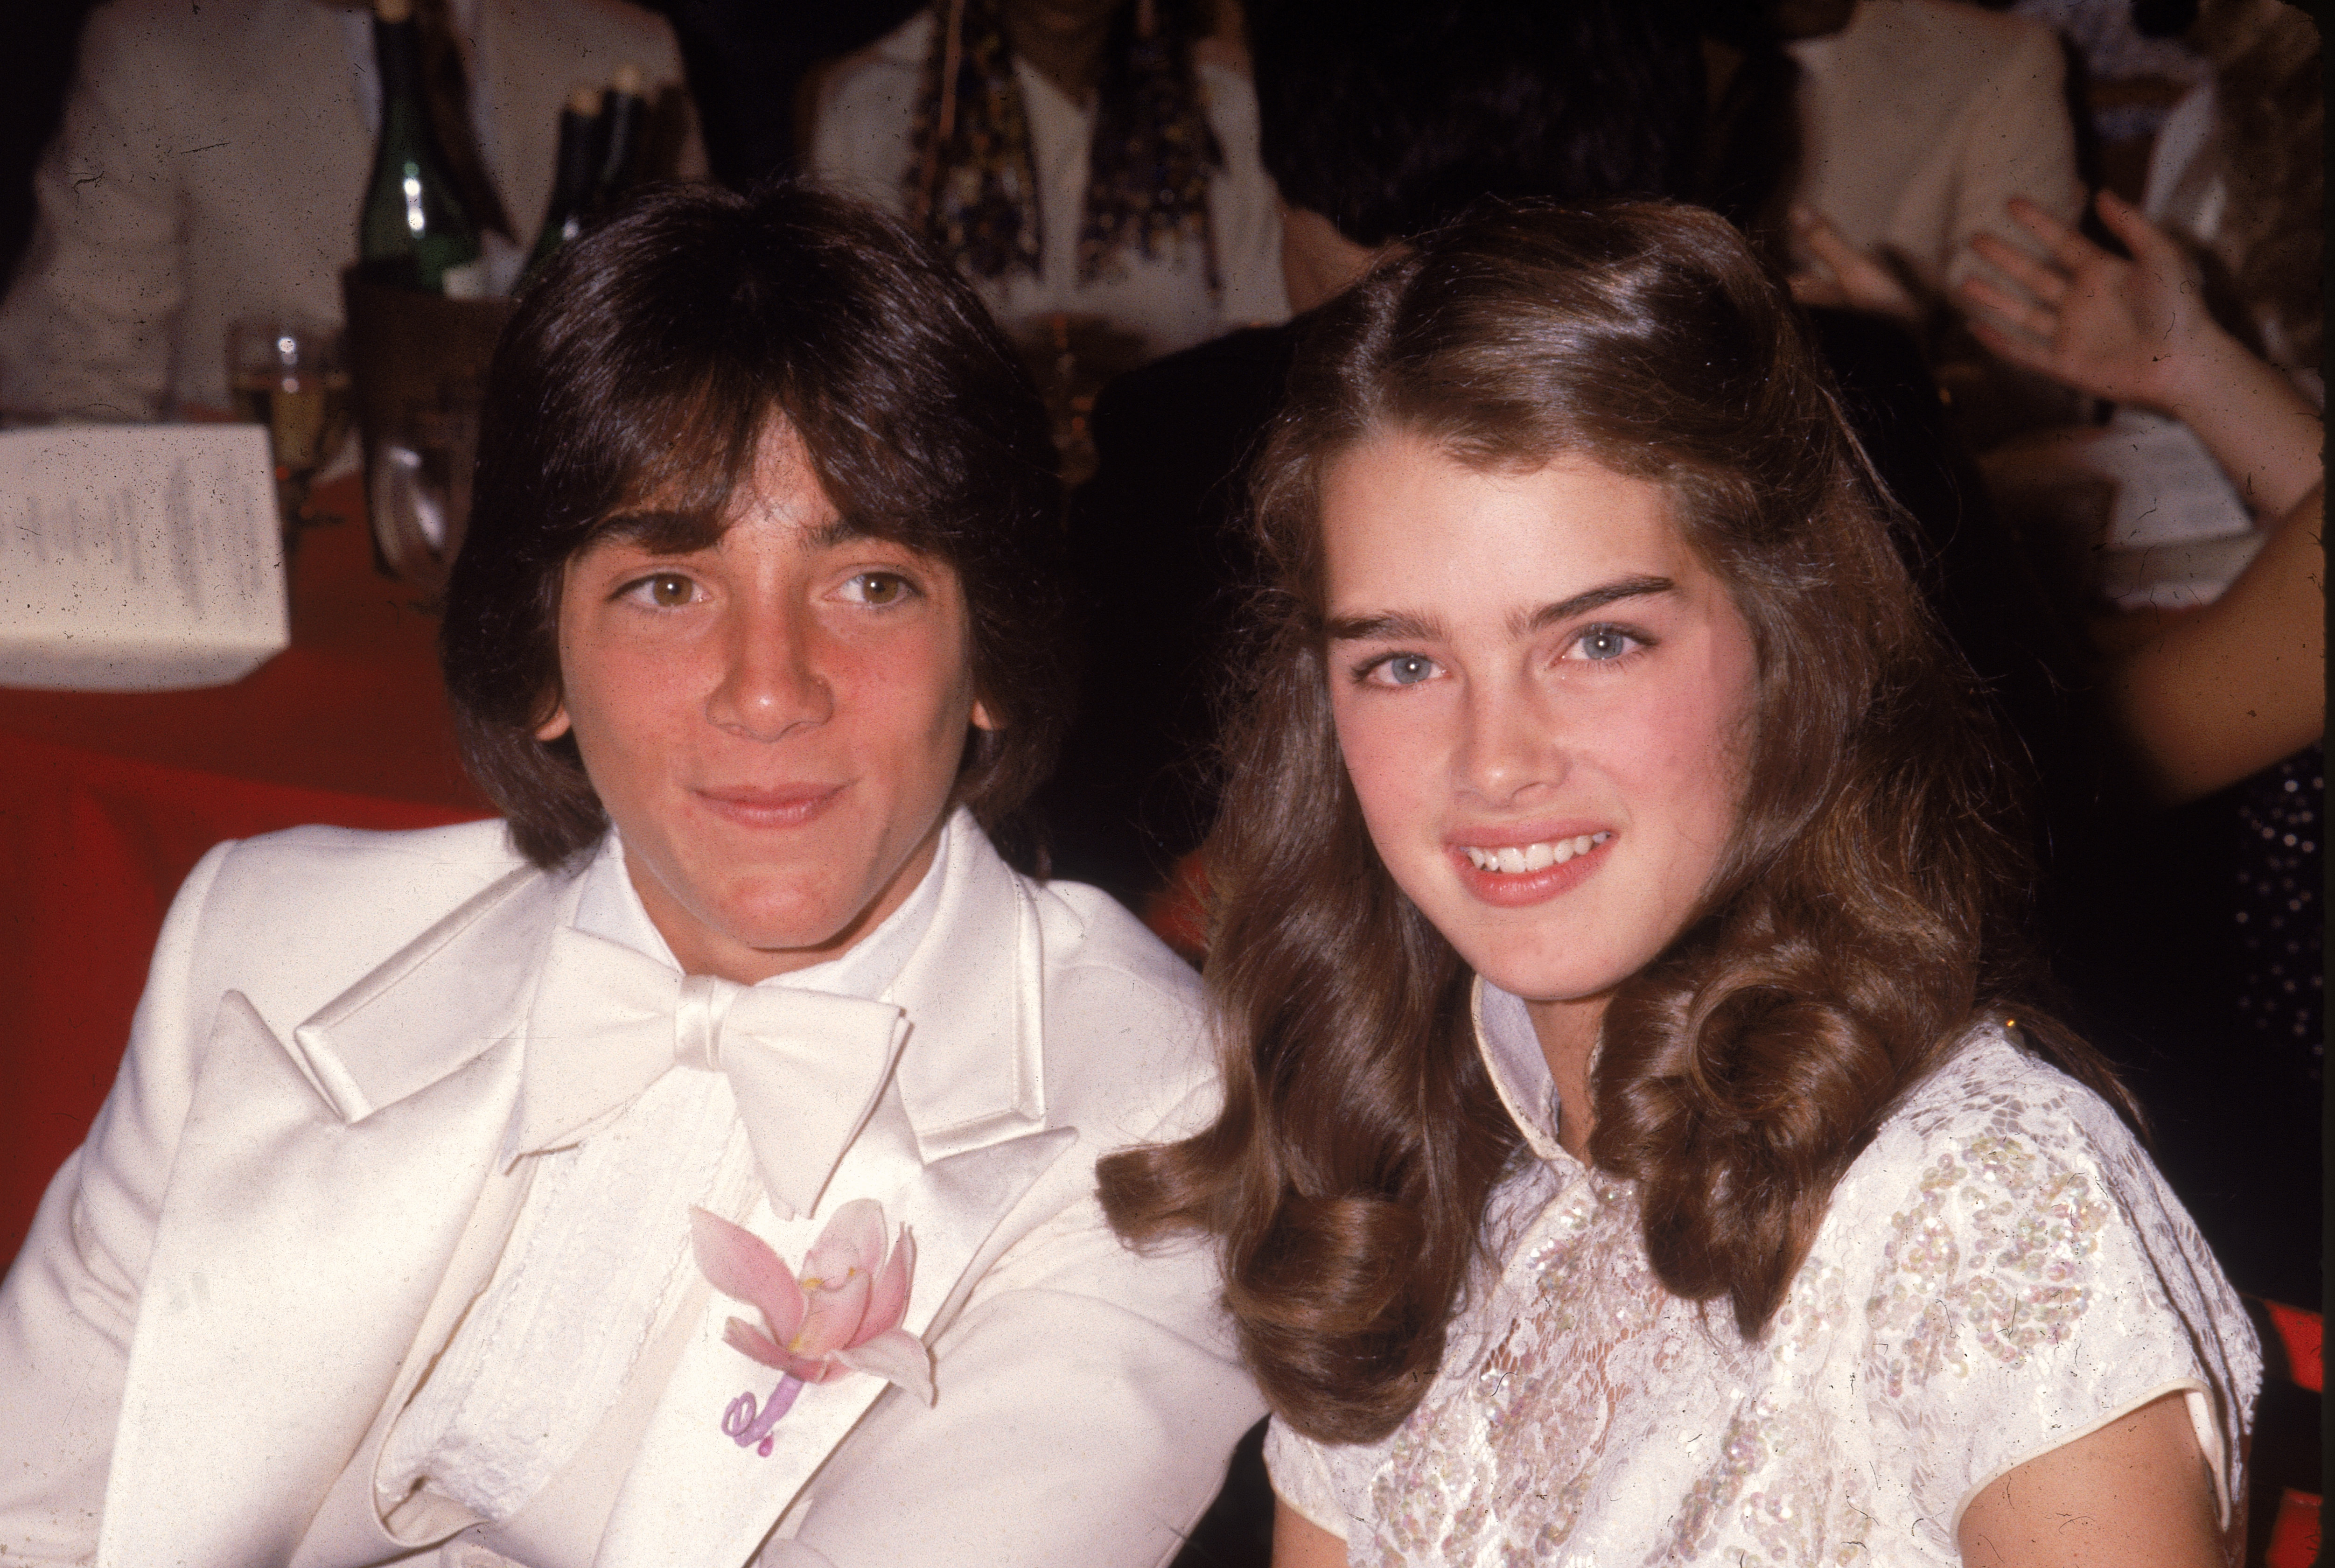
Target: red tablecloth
(107,799)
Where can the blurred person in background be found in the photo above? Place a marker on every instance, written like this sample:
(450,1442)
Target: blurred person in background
(2235,687)
(1090,157)
(212,159)
(2191,925)
(2238,172)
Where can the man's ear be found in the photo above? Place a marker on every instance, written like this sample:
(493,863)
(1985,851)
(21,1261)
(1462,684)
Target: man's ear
(553,727)
(981,719)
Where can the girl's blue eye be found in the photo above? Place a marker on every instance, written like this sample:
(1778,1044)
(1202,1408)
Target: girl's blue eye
(1602,643)
(1406,669)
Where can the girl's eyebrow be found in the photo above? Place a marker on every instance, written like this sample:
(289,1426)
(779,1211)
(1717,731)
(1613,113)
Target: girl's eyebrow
(1405,625)
(1597,598)
(1393,626)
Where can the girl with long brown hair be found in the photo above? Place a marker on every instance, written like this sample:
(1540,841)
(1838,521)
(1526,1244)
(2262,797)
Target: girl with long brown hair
(1636,1147)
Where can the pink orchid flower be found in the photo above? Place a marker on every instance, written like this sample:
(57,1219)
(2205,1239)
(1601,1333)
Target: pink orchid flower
(842,1316)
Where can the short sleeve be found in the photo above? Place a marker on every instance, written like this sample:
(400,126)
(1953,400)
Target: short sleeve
(2033,1280)
(1302,1479)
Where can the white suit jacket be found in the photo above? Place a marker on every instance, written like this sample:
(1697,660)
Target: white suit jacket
(210,165)
(1921,118)
(219,1306)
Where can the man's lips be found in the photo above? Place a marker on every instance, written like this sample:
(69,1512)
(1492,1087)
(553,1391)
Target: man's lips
(774,806)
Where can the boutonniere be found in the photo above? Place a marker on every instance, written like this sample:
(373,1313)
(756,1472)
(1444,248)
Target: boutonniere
(843,1315)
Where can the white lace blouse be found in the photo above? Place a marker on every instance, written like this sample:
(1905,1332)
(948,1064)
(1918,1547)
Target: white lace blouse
(1999,1273)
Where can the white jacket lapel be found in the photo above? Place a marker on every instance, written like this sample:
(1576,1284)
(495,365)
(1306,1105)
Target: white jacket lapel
(371,1134)
(975,988)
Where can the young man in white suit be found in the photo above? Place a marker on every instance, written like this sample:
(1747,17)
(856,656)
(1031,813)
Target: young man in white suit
(381,1249)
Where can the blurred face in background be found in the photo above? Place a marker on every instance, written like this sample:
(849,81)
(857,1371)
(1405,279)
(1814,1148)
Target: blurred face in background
(1543,700)
(773,722)
(1064,40)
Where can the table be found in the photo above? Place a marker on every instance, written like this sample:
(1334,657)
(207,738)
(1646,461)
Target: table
(107,799)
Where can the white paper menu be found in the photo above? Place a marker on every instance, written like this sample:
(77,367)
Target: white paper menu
(137,558)
(2170,490)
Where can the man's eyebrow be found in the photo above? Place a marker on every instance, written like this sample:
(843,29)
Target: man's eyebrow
(828,536)
(655,529)
(1595,598)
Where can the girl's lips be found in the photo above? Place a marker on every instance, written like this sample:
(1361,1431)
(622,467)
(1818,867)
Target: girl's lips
(788,806)
(1515,889)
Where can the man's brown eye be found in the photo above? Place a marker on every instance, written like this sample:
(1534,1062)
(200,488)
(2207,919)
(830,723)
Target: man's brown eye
(667,590)
(882,588)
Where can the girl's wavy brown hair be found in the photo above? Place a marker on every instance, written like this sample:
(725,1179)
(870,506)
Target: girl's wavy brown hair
(1869,909)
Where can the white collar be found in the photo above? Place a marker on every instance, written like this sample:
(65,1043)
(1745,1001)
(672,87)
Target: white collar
(1512,1055)
(609,907)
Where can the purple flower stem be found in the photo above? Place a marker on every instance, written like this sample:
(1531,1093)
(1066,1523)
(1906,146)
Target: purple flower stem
(748,1429)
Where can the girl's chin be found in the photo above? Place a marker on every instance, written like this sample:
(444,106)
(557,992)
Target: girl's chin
(1544,983)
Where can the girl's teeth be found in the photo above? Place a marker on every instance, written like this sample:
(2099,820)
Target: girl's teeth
(1511,859)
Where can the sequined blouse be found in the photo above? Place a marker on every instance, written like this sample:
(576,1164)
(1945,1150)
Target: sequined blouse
(1999,1273)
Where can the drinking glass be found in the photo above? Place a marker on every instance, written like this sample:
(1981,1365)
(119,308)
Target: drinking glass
(287,372)
(419,484)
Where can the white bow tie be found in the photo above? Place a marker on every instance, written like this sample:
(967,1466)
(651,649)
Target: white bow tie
(806,1066)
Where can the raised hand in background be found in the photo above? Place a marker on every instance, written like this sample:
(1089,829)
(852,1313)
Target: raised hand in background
(2137,332)
(2208,697)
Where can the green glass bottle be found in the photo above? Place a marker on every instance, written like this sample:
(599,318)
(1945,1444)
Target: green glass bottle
(622,112)
(413,230)
(573,176)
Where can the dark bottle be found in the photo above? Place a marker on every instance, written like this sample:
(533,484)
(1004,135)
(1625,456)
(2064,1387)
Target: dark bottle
(574,178)
(413,230)
(619,136)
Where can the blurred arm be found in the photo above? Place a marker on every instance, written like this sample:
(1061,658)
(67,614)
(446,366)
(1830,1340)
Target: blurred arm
(862,139)
(2224,691)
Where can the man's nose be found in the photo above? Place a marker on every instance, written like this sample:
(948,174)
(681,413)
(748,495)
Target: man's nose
(772,682)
